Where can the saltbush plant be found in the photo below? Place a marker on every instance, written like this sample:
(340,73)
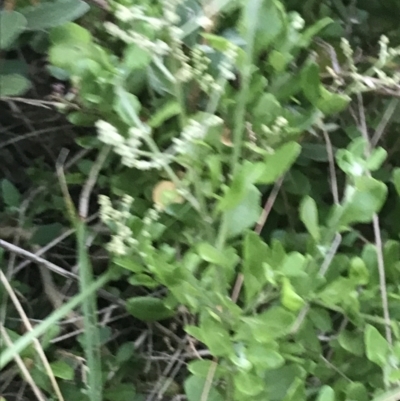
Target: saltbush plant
(209,112)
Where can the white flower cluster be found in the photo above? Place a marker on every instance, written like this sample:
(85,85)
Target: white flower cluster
(151,216)
(121,240)
(136,13)
(185,72)
(383,50)
(170,11)
(194,131)
(156,47)
(381,80)
(348,52)
(278,127)
(129,148)
(226,66)
(200,66)
(297,22)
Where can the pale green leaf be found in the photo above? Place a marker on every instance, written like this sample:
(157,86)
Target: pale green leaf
(277,164)
(120,392)
(309,217)
(13,85)
(352,342)
(62,370)
(70,33)
(368,198)
(10,194)
(326,394)
(310,82)
(377,348)
(148,309)
(396,179)
(244,215)
(12,24)
(167,111)
(194,387)
(248,384)
(47,15)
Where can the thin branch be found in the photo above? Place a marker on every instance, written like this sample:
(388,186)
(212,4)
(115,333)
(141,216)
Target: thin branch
(91,182)
(268,206)
(56,269)
(377,233)
(384,122)
(209,380)
(332,170)
(29,327)
(22,366)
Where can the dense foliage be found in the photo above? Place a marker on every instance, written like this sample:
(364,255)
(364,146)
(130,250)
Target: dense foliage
(245,157)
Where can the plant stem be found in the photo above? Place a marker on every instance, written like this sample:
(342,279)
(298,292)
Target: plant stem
(240,113)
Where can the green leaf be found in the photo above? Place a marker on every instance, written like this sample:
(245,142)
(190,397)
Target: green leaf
(289,298)
(10,194)
(13,85)
(125,352)
(311,31)
(309,217)
(326,394)
(296,391)
(242,181)
(332,103)
(277,164)
(352,342)
(268,18)
(83,119)
(248,384)
(45,233)
(293,265)
(267,326)
(194,387)
(255,254)
(367,198)
(310,82)
(396,179)
(377,348)
(130,263)
(377,158)
(127,106)
(65,55)
(62,370)
(70,33)
(164,113)
(120,392)
(148,309)
(211,254)
(12,24)
(136,58)
(47,15)
(264,357)
(358,271)
(216,337)
(356,391)
(277,382)
(279,61)
(245,215)
(200,367)
(267,109)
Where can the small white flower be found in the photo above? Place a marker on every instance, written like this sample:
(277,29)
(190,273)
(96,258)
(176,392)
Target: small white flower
(298,22)
(204,22)
(108,134)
